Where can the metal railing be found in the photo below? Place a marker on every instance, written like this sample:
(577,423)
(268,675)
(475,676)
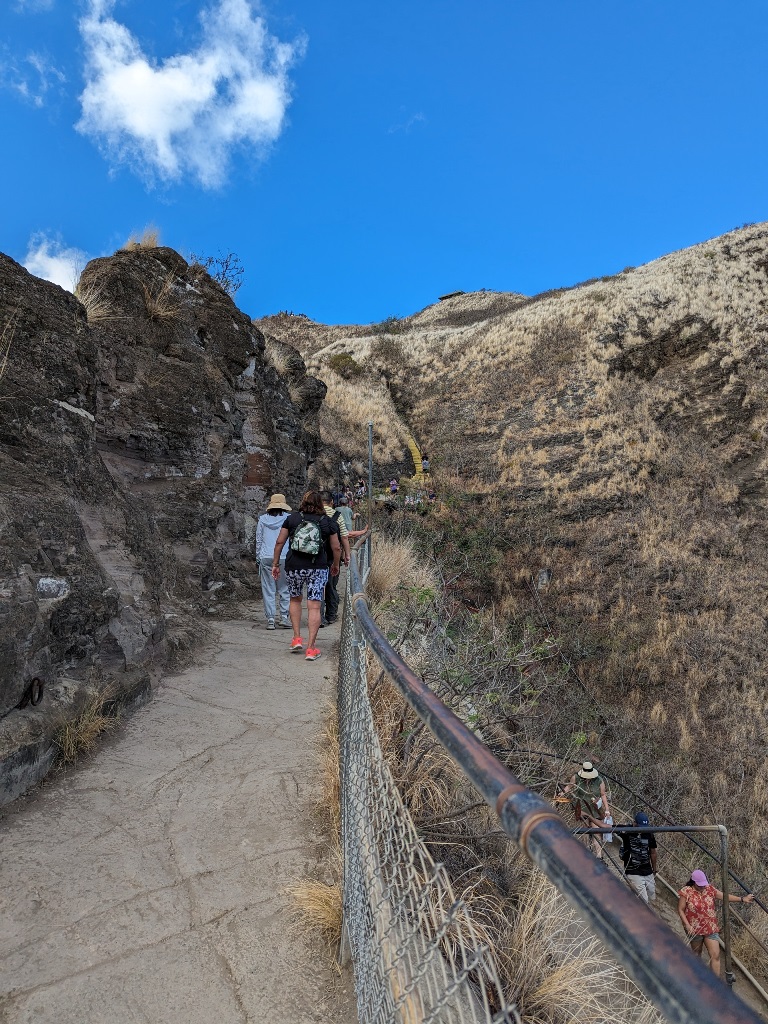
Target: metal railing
(416,954)
(726,873)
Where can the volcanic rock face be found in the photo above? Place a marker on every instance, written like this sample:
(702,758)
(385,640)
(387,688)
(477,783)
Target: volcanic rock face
(139,434)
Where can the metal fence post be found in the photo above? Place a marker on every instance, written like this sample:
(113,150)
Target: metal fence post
(729,977)
(370,489)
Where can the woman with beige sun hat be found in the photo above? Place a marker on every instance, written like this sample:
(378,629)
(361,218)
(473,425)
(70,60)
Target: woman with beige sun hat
(267,530)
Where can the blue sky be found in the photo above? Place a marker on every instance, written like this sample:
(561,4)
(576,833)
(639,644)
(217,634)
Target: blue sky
(363,159)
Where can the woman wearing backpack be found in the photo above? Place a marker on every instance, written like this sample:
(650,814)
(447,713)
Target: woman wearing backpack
(307,565)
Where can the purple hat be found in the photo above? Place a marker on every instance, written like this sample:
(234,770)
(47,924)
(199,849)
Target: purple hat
(699,878)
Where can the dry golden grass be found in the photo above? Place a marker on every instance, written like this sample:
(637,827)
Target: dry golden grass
(6,340)
(278,357)
(162,303)
(98,308)
(149,238)
(80,736)
(396,566)
(621,427)
(347,410)
(318,906)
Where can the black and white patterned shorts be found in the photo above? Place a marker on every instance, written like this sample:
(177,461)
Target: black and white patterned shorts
(315,580)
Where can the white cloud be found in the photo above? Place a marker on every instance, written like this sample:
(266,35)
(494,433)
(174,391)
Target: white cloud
(34,5)
(185,115)
(406,126)
(32,77)
(50,259)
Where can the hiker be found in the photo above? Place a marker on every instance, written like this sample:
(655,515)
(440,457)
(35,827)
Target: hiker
(696,908)
(307,564)
(589,801)
(330,608)
(393,486)
(267,529)
(424,464)
(345,512)
(638,851)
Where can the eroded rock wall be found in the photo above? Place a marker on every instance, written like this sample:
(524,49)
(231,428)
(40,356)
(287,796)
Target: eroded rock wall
(140,431)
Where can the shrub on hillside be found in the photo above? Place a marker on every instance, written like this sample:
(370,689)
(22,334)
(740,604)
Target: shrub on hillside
(345,365)
(388,350)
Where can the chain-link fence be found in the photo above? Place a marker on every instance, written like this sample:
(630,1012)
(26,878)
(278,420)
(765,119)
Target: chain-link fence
(418,958)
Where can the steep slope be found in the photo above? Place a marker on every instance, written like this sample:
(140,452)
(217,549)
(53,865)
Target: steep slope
(610,441)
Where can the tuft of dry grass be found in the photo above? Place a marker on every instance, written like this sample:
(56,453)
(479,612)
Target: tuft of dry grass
(396,566)
(92,297)
(318,906)
(149,238)
(79,737)
(162,304)
(6,340)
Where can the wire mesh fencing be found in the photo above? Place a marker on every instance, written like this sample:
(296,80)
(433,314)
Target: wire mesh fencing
(418,957)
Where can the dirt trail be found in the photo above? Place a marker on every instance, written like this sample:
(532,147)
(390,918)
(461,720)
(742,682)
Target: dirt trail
(147,885)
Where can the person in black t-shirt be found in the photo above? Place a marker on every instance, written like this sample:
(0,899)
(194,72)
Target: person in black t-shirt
(307,564)
(638,851)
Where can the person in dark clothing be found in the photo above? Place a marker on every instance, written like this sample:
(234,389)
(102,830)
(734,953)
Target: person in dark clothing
(313,552)
(330,607)
(638,851)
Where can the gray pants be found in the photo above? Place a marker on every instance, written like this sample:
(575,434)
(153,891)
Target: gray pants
(643,886)
(269,587)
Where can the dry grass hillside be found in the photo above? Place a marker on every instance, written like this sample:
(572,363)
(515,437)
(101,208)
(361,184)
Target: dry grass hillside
(616,435)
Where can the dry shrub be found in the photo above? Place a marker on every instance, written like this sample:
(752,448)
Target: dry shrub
(318,906)
(6,340)
(79,737)
(395,565)
(330,775)
(281,358)
(298,392)
(162,304)
(98,307)
(552,965)
(148,239)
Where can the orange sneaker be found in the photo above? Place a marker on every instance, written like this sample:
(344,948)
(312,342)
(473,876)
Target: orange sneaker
(313,653)
(297,645)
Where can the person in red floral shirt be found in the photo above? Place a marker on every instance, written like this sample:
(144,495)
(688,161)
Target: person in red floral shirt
(696,908)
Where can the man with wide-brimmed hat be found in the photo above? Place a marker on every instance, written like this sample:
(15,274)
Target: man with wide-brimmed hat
(589,800)
(266,534)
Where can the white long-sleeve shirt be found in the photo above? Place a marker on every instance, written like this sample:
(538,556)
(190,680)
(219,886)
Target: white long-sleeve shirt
(266,535)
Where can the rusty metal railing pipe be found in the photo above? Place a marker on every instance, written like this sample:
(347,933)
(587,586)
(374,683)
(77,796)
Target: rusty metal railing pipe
(674,980)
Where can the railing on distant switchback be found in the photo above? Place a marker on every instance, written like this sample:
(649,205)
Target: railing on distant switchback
(418,958)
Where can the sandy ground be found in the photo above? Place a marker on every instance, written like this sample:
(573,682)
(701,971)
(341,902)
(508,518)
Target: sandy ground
(146,885)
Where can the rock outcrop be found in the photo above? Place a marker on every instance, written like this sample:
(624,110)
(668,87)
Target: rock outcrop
(140,430)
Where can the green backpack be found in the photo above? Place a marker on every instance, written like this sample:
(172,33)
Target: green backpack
(306,539)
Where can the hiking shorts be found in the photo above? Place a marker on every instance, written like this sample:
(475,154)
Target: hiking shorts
(698,940)
(313,579)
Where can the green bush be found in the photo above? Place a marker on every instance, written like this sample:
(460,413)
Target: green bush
(344,364)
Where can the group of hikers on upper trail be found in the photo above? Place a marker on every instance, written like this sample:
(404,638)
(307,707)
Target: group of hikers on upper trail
(300,550)
(587,792)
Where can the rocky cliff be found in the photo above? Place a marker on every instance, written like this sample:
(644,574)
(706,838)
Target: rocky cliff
(140,430)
